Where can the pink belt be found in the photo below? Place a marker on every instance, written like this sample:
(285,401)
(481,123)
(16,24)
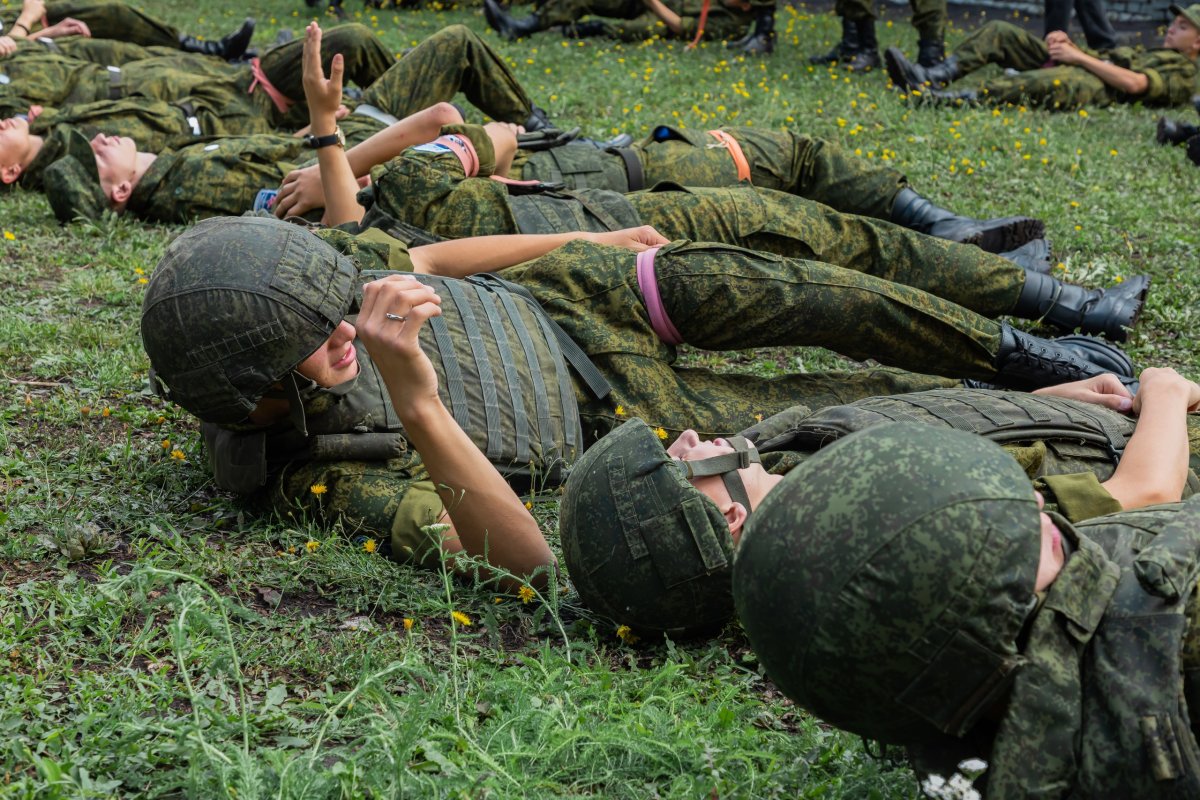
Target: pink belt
(648,283)
(260,79)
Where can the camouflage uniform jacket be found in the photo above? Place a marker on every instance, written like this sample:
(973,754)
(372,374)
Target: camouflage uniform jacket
(214,177)
(1172,75)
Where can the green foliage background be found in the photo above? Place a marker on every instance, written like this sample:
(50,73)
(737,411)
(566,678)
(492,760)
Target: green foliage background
(158,639)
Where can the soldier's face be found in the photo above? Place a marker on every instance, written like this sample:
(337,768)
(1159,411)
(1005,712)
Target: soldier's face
(1182,36)
(690,447)
(334,362)
(116,160)
(15,142)
(1052,558)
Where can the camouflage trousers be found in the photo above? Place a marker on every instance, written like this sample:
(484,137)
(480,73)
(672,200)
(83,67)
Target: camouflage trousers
(928,16)
(112,19)
(791,226)
(813,168)
(726,298)
(1010,47)
(450,61)
(102,51)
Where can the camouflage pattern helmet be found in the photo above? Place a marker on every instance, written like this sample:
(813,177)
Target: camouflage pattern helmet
(234,305)
(884,582)
(643,545)
(72,183)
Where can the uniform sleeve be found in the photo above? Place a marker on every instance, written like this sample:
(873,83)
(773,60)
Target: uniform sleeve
(1171,77)
(1078,497)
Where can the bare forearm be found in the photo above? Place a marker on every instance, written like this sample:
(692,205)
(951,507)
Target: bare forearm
(488,516)
(459,258)
(669,17)
(1125,80)
(424,126)
(337,179)
(1154,466)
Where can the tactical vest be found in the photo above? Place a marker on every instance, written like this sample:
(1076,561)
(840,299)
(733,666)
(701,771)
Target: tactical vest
(594,210)
(502,374)
(1078,436)
(579,166)
(1137,738)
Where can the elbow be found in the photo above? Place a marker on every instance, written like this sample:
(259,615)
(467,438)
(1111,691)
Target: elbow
(445,114)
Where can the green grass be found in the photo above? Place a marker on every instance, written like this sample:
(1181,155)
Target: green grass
(159,639)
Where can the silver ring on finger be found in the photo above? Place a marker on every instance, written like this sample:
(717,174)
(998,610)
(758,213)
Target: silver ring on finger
(396,317)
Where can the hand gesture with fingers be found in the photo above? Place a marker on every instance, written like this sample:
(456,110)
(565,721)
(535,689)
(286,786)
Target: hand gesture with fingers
(324,95)
(393,311)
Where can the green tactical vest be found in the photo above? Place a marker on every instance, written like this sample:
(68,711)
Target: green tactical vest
(502,374)
(577,166)
(594,210)
(1078,436)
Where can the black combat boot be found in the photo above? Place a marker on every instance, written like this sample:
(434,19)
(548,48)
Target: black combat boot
(842,52)
(508,26)
(584,30)
(1193,150)
(1100,353)
(955,97)
(907,75)
(994,235)
(930,52)
(761,40)
(1172,132)
(1028,362)
(230,48)
(1033,256)
(1109,311)
(538,119)
(867,57)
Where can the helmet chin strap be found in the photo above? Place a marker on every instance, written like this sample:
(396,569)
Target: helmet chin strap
(727,465)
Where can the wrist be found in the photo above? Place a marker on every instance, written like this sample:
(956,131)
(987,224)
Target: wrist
(322,124)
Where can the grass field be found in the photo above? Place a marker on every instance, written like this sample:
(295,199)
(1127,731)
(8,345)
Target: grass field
(159,639)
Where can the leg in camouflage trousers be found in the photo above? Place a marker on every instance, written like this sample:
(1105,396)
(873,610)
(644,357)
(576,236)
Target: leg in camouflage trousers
(111,19)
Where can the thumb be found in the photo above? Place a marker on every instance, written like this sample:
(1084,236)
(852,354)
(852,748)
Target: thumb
(1115,402)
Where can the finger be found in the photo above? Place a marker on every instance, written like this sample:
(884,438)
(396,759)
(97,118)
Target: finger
(283,204)
(1113,401)
(336,68)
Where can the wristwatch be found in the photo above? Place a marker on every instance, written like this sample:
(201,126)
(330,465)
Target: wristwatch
(317,142)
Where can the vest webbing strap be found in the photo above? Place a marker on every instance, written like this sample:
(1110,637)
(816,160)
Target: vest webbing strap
(566,394)
(606,219)
(453,372)
(520,417)
(487,379)
(541,400)
(735,152)
(635,176)
(583,366)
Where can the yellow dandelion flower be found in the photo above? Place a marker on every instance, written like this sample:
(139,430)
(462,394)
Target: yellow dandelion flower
(462,619)
(370,545)
(758,417)
(528,506)
(1057,82)
(660,433)
(1074,204)
(292,549)
(311,545)
(177,454)
(408,623)
(1078,227)
(1112,152)
(166,444)
(139,271)
(1119,279)
(10,236)
(526,594)
(1083,113)
(318,489)
(143,280)
(620,411)
(626,634)
(106,412)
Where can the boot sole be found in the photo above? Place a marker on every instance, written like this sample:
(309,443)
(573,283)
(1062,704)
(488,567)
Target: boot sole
(1104,355)
(1007,233)
(1133,293)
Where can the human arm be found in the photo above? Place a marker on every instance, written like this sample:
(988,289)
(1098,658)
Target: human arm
(324,95)
(504,144)
(669,18)
(1064,51)
(68,26)
(488,518)
(458,258)
(1103,390)
(1154,467)
(32,13)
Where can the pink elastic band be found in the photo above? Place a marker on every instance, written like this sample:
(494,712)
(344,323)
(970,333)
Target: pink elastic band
(648,283)
(282,104)
(464,149)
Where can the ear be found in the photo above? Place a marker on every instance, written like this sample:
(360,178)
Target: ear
(735,516)
(10,172)
(120,193)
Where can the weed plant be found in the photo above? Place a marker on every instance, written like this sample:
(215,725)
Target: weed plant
(159,639)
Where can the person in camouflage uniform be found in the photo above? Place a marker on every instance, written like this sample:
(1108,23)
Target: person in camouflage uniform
(1160,77)
(909,589)
(589,291)
(634,20)
(787,161)
(430,187)
(858,50)
(115,20)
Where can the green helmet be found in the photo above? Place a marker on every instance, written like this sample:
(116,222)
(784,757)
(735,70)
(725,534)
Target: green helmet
(883,584)
(644,546)
(234,305)
(72,183)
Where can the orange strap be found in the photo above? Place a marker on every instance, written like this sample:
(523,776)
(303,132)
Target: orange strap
(282,104)
(735,152)
(700,25)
